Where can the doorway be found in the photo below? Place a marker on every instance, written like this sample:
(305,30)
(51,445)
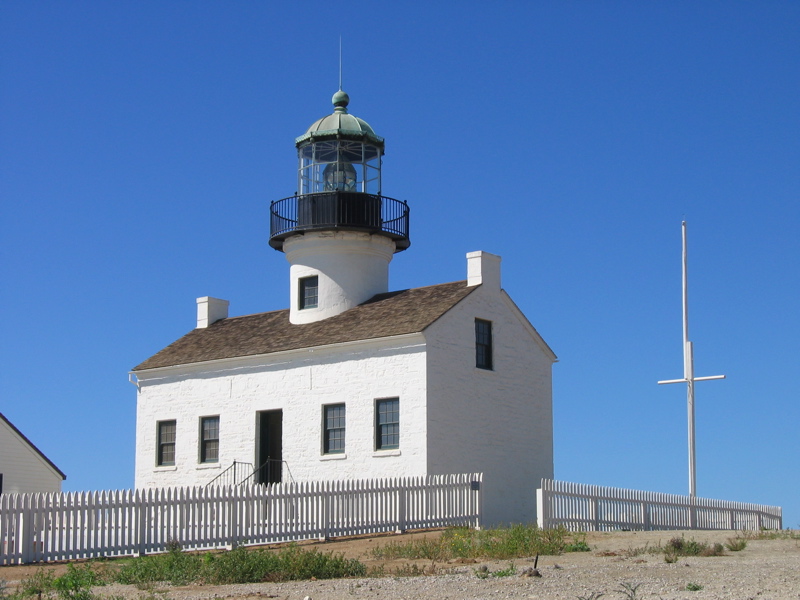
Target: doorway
(269,446)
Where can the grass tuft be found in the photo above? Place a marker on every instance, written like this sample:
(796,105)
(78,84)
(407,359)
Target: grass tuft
(40,584)
(509,571)
(175,567)
(693,587)
(680,546)
(578,543)
(772,534)
(736,544)
(75,584)
(639,550)
(629,590)
(502,543)
(240,565)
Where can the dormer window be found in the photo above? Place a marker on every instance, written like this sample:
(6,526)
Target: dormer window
(309,292)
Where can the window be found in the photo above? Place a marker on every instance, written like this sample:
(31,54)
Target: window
(483,344)
(209,439)
(309,292)
(334,416)
(166,443)
(387,424)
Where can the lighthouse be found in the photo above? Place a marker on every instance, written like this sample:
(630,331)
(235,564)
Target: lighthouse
(353,382)
(339,233)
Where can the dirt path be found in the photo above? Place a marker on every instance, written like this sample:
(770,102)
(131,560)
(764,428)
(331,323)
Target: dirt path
(765,569)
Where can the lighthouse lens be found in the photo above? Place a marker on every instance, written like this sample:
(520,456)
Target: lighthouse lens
(339,165)
(339,176)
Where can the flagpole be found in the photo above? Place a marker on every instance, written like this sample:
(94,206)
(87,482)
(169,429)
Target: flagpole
(688,367)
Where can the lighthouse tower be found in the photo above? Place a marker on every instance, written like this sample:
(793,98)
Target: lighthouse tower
(338,233)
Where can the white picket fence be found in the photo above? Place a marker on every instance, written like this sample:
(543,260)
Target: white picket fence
(74,525)
(581,507)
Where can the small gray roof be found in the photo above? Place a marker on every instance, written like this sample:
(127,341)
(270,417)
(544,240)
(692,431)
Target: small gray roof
(384,315)
(340,124)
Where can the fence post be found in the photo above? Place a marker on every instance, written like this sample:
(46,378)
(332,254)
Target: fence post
(479,501)
(540,508)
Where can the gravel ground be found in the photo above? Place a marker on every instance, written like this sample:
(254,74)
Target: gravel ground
(766,569)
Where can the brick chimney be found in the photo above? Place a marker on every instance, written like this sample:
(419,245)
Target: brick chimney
(210,310)
(483,269)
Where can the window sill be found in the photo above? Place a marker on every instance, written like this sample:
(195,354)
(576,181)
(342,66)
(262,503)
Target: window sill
(165,468)
(382,453)
(341,456)
(203,466)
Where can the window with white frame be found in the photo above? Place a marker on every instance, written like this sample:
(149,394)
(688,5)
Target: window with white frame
(387,424)
(308,293)
(209,439)
(334,428)
(165,451)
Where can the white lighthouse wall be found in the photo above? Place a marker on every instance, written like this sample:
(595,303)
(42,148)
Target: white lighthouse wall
(300,383)
(497,421)
(352,267)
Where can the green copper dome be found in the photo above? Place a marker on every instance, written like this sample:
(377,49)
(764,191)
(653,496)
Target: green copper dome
(340,125)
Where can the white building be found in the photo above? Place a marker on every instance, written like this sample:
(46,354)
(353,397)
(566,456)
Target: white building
(353,381)
(23,467)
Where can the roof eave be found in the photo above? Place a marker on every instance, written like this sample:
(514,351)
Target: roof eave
(339,134)
(260,358)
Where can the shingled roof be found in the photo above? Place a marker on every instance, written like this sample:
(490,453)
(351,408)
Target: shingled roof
(384,315)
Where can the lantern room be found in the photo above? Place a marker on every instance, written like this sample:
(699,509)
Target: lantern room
(339,152)
(339,183)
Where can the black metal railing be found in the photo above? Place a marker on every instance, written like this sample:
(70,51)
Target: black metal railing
(237,473)
(272,471)
(339,210)
(242,473)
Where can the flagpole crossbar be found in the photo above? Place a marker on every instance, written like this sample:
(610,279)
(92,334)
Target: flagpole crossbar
(709,378)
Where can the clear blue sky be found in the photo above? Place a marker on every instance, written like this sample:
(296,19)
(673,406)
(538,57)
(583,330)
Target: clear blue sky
(141,144)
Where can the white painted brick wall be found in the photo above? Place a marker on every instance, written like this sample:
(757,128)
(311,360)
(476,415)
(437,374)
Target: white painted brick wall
(23,469)
(498,422)
(299,383)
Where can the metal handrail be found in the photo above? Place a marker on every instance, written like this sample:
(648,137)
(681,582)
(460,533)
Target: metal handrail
(222,478)
(268,463)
